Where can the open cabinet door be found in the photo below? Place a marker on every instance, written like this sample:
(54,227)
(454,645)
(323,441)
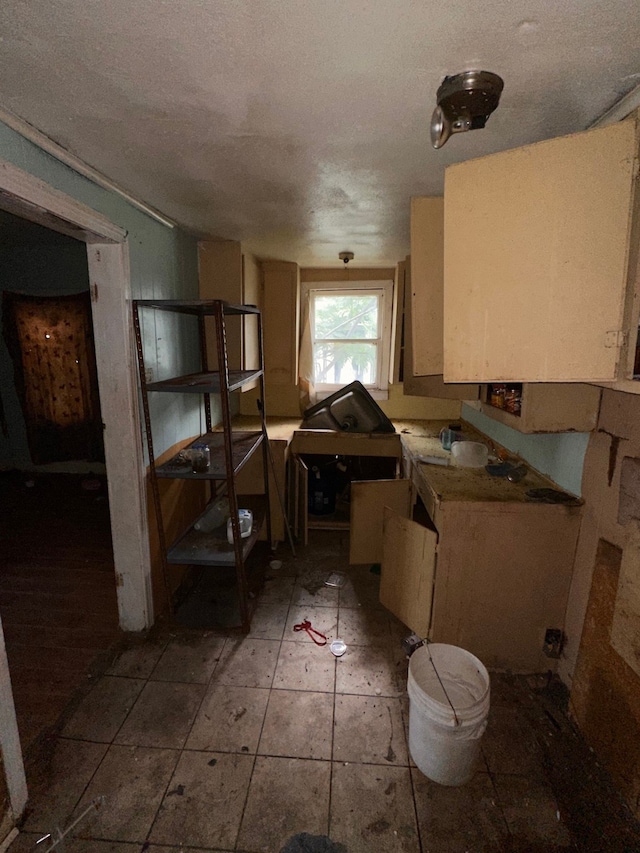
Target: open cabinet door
(300,474)
(368,500)
(408,570)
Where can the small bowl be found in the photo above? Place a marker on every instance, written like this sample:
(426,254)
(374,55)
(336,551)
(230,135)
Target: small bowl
(338,648)
(275,564)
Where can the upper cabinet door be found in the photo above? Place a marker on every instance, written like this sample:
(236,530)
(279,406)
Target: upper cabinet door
(423,301)
(536,261)
(427,265)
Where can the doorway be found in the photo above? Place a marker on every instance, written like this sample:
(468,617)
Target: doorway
(57,583)
(28,197)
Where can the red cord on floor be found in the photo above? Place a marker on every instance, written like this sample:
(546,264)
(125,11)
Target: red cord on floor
(306,626)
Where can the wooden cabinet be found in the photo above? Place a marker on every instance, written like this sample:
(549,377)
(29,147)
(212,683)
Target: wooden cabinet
(423,306)
(325,443)
(548,407)
(281,304)
(487,570)
(541,261)
(224,272)
(545,407)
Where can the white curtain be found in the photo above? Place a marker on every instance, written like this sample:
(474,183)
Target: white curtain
(305,361)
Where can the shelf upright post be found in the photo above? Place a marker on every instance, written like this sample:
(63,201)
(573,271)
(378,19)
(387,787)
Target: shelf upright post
(204,364)
(223,370)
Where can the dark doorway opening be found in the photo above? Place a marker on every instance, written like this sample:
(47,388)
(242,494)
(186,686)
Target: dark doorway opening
(57,585)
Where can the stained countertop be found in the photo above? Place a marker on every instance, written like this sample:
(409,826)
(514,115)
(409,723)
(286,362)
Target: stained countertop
(453,483)
(420,439)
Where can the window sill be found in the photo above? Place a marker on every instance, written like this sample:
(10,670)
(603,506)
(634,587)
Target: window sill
(376,393)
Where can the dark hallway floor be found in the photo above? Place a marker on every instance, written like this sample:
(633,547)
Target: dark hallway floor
(57,590)
(202,741)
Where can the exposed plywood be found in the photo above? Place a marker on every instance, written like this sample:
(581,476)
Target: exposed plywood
(629,501)
(369,499)
(408,566)
(625,627)
(535,237)
(605,695)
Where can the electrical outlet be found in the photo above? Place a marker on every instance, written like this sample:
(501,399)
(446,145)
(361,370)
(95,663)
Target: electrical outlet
(553,642)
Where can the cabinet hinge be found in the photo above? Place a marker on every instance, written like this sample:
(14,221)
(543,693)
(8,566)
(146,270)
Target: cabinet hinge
(94,292)
(616,338)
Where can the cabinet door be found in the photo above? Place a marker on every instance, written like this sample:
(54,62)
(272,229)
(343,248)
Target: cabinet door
(423,348)
(298,498)
(408,570)
(368,501)
(536,260)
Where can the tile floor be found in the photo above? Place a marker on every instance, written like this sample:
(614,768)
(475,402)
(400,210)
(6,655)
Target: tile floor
(206,742)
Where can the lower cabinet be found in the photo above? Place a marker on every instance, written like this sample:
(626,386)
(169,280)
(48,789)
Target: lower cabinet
(489,576)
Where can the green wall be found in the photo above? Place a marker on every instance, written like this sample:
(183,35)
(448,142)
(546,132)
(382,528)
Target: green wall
(164,264)
(560,456)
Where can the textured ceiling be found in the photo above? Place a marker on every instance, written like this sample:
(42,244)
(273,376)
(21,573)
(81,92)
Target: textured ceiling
(301,127)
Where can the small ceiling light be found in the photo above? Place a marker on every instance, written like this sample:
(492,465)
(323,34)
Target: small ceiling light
(465,102)
(346,256)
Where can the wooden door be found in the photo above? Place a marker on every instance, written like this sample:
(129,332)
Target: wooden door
(408,571)
(298,498)
(368,501)
(419,349)
(536,260)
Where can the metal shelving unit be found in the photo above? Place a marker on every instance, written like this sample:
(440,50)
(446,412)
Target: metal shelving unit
(229,450)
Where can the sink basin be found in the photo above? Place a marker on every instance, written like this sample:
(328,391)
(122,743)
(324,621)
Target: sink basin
(351,409)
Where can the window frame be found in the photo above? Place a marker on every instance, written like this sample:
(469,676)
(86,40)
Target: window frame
(383,288)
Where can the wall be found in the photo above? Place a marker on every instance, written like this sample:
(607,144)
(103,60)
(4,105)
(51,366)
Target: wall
(604,678)
(163,265)
(560,456)
(284,401)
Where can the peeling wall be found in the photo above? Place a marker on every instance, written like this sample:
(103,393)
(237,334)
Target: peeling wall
(605,688)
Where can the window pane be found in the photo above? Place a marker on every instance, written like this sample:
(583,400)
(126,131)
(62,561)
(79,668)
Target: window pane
(340,364)
(346,317)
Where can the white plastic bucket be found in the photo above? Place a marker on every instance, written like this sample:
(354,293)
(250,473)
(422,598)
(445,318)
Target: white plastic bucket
(445,745)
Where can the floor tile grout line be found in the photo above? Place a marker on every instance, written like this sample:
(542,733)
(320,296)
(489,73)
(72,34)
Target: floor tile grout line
(255,756)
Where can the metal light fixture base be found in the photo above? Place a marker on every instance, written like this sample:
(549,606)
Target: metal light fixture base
(465,102)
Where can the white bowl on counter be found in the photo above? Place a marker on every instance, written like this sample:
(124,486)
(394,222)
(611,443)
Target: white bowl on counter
(469,454)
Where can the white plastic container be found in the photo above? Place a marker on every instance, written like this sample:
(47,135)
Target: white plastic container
(445,745)
(245,522)
(469,454)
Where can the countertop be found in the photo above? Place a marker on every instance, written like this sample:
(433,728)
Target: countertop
(421,438)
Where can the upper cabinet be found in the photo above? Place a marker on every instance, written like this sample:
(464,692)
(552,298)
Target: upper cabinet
(541,262)
(224,272)
(423,298)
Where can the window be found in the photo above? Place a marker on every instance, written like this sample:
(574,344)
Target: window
(351,334)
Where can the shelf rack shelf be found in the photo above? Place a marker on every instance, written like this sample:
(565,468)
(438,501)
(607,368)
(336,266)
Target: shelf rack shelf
(229,450)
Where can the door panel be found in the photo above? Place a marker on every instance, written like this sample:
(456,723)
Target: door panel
(368,500)
(408,571)
(535,259)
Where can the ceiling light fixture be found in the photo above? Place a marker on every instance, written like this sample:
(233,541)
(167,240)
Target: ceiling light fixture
(346,256)
(465,102)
